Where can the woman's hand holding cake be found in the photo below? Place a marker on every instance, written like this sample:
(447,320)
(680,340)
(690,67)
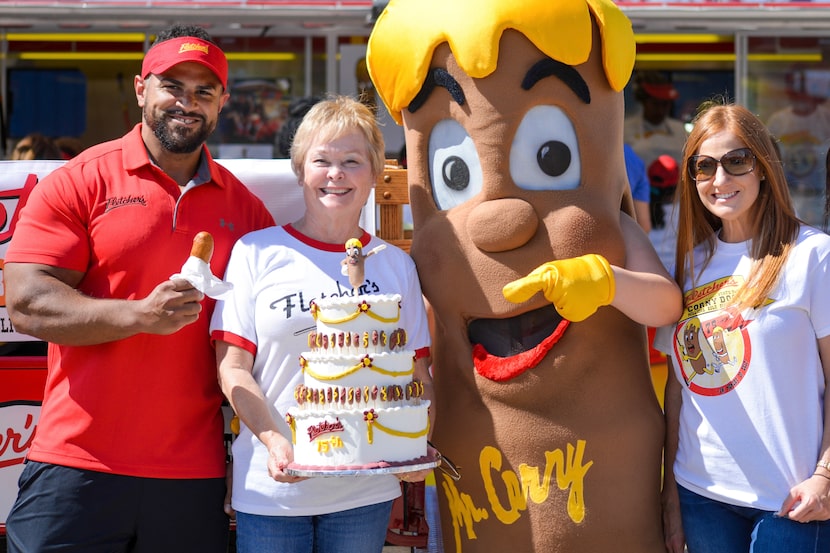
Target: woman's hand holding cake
(280,455)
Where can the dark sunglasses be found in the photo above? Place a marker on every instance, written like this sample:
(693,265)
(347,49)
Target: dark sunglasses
(736,163)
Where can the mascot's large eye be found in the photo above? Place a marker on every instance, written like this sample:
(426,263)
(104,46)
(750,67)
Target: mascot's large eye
(545,152)
(554,158)
(454,166)
(455,173)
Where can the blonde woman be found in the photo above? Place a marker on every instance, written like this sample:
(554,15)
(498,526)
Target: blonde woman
(261,329)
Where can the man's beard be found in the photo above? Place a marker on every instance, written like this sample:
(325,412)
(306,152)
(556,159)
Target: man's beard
(178,139)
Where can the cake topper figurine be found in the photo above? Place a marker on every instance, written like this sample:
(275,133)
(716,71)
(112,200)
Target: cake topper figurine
(353,265)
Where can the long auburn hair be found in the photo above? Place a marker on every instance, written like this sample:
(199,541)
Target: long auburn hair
(775,225)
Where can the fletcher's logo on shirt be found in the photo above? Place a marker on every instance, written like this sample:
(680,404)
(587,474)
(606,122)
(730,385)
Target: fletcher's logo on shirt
(298,300)
(122,201)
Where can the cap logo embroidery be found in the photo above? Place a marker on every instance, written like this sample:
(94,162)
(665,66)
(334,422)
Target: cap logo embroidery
(190,46)
(161,57)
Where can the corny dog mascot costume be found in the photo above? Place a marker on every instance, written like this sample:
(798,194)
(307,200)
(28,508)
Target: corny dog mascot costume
(513,114)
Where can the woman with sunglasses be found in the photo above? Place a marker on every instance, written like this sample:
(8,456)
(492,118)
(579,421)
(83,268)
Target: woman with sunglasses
(747,417)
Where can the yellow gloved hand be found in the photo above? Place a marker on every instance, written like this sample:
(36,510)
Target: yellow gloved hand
(577,287)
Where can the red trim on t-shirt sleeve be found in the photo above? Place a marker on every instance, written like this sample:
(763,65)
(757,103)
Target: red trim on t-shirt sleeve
(421,353)
(233,339)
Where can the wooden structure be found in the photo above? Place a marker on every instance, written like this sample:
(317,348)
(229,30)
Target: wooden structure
(391,194)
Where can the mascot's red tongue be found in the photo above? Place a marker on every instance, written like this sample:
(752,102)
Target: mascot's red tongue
(500,369)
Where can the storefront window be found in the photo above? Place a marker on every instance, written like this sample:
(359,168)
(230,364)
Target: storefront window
(266,74)
(787,85)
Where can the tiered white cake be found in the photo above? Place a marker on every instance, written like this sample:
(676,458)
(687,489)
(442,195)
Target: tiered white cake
(359,406)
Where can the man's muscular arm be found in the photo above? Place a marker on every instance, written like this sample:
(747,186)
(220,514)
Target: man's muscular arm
(42,301)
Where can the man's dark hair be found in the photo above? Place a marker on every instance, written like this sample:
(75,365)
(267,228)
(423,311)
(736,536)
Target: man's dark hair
(179,30)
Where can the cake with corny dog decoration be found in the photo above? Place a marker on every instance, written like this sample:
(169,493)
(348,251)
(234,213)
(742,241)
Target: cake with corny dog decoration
(359,406)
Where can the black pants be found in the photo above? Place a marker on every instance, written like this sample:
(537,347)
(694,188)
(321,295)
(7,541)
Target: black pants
(70,510)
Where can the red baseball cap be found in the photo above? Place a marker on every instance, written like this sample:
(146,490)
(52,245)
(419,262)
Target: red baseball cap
(663,172)
(164,55)
(661,91)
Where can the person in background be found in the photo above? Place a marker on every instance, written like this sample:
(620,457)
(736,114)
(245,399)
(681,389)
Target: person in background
(663,175)
(640,188)
(653,132)
(296,111)
(129,452)
(69,146)
(803,132)
(747,454)
(260,332)
(35,146)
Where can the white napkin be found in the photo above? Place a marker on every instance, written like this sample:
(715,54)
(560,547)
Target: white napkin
(197,272)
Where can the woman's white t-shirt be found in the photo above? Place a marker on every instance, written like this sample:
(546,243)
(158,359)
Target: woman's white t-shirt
(753,386)
(275,276)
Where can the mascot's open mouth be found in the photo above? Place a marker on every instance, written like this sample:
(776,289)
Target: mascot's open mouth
(505,348)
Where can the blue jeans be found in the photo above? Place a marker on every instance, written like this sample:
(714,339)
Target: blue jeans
(360,530)
(714,527)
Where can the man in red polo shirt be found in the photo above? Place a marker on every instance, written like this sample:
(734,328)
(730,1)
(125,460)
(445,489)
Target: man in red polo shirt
(128,454)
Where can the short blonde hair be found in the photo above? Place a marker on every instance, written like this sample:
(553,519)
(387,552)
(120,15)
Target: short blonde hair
(332,118)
